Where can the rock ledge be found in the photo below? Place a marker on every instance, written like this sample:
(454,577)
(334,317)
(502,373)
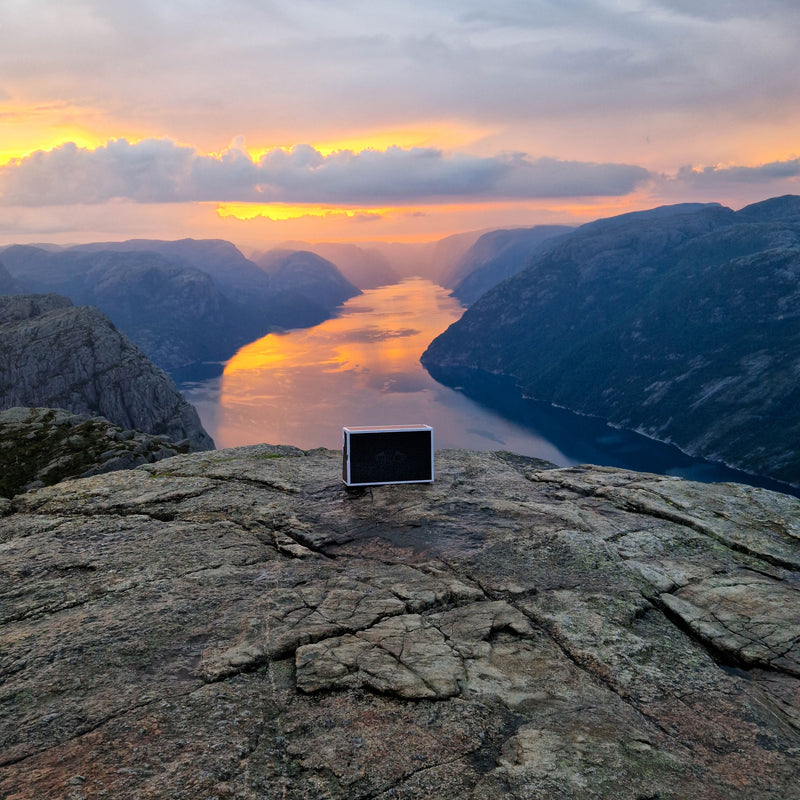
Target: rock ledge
(239,624)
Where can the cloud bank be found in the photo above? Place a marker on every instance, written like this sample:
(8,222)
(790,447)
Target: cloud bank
(307,68)
(710,177)
(161,171)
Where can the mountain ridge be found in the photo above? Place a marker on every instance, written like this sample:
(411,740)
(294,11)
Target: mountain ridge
(683,326)
(184,301)
(497,255)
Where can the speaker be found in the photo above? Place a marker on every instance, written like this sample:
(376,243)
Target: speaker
(374,454)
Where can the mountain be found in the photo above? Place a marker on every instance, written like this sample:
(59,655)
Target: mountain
(304,287)
(497,255)
(446,253)
(682,323)
(238,278)
(175,313)
(364,267)
(374,264)
(7,284)
(239,624)
(185,301)
(54,354)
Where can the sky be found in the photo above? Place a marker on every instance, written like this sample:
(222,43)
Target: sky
(261,121)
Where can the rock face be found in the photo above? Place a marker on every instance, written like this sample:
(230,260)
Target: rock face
(42,446)
(57,355)
(682,323)
(239,624)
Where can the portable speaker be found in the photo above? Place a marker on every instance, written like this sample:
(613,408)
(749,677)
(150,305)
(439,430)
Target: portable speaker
(375,454)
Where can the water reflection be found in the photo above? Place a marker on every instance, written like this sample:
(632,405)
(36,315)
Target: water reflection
(361,368)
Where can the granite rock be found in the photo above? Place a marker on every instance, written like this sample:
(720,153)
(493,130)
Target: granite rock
(239,624)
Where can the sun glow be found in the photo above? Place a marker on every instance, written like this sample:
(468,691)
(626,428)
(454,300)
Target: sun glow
(18,147)
(441,135)
(412,223)
(358,340)
(26,128)
(279,212)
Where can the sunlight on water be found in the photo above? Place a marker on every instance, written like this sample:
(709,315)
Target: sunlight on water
(361,368)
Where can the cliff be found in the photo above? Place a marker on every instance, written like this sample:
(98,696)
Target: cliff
(54,354)
(682,323)
(238,624)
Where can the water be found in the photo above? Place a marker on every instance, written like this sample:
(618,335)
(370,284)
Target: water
(362,368)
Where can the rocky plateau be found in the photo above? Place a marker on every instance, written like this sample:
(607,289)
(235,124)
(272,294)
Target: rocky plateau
(239,624)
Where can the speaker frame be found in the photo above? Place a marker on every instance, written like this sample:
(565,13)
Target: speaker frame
(354,436)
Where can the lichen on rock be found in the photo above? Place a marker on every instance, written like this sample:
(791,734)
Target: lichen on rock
(42,446)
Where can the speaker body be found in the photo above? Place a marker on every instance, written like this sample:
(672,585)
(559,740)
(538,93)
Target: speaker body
(374,454)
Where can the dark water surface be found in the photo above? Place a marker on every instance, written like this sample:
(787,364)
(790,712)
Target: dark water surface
(362,368)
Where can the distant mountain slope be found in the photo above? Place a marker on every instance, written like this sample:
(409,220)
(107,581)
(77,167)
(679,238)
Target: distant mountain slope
(365,267)
(54,354)
(372,264)
(311,286)
(497,255)
(175,313)
(234,275)
(7,284)
(183,301)
(312,281)
(683,323)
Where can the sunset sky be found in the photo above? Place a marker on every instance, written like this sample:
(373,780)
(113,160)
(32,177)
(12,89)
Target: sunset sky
(260,121)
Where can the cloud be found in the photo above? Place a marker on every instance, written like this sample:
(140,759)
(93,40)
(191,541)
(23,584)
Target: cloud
(716,11)
(146,172)
(161,171)
(309,68)
(710,177)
